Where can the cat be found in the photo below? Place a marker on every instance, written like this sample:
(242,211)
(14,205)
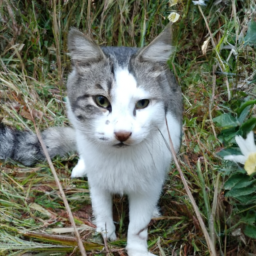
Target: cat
(118,101)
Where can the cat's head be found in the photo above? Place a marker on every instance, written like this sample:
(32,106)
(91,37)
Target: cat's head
(118,96)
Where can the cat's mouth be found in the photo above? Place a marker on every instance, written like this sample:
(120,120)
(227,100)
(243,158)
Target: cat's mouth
(120,145)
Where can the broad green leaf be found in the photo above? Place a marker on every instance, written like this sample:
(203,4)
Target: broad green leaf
(229,151)
(236,179)
(250,231)
(249,218)
(244,114)
(246,104)
(227,136)
(247,200)
(226,120)
(230,168)
(250,38)
(237,192)
(244,183)
(248,126)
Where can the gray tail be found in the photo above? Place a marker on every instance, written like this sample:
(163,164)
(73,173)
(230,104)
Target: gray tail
(24,146)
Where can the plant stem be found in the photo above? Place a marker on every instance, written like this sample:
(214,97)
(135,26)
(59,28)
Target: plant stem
(192,200)
(70,215)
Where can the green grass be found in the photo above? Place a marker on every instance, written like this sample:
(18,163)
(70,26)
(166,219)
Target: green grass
(33,68)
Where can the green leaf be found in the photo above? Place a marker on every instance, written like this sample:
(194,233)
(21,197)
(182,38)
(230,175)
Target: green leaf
(237,192)
(249,218)
(226,120)
(250,38)
(191,122)
(235,179)
(244,183)
(229,151)
(248,126)
(250,231)
(246,104)
(244,114)
(229,168)
(227,136)
(246,200)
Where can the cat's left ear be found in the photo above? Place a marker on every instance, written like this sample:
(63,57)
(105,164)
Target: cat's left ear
(160,49)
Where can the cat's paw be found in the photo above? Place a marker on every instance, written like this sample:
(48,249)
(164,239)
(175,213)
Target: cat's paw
(156,213)
(108,234)
(79,170)
(136,253)
(112,237)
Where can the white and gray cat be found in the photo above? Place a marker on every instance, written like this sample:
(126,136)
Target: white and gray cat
(118,100)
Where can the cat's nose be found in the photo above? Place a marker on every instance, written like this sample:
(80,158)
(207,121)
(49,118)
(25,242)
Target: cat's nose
(122,135)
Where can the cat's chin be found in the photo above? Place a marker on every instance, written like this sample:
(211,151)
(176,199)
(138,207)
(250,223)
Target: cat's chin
(120,145)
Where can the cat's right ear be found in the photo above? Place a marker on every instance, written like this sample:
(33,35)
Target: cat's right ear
(83,50)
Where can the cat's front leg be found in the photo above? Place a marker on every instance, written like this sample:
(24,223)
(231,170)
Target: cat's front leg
(79,170)
(141,211)
(102,211)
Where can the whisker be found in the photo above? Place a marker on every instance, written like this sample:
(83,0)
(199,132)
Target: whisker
(166,143)
(147,146)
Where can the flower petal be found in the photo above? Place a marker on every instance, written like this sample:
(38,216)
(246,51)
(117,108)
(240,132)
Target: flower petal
(250,142)
(250,163)
(236,158)
(200,2)
(241,142)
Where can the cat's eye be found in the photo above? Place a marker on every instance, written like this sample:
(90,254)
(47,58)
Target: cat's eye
(102,101)
(142,104)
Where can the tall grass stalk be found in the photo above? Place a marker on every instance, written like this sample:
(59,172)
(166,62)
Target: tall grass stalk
(56,33)
(220,61)
(212,219)
(204,190)
(209,242)
(70,215)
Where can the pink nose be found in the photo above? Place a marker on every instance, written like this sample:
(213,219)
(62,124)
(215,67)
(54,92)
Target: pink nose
(123,135)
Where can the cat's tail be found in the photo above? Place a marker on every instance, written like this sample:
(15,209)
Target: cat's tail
(24,146)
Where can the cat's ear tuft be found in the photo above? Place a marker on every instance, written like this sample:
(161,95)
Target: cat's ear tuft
(82,49)
(160,49)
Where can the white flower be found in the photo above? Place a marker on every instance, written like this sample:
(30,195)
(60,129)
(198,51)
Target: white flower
(248,149)
(173,2)
(173,17)
(199,2)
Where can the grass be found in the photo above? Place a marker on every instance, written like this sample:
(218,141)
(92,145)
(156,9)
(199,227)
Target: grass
(33,70)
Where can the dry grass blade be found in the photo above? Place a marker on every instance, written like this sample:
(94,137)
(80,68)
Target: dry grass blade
(209,242)
(214,209)
(70,215)
(221,64)
(60,239)
(14,242)
(56,37)
(212,102)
